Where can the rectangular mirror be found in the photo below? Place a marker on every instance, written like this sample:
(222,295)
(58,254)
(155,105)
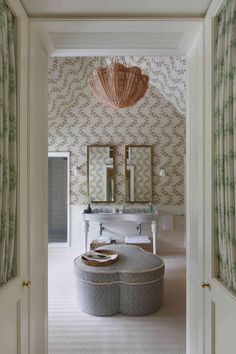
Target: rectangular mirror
(138,173)
(101,173)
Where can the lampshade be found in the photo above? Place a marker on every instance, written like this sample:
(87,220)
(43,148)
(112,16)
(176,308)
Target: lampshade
(117,85)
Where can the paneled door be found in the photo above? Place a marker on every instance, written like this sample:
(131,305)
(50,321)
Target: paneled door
(23,300)
(211,307)
(15,294)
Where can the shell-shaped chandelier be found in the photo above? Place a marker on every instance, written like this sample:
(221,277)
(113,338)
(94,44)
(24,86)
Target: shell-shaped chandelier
(117,85)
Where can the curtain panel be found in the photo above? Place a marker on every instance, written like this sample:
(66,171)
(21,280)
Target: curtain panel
(7,144)
(225,144)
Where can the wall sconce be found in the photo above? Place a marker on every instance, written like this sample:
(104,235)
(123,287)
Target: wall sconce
(162,172)
(76,171)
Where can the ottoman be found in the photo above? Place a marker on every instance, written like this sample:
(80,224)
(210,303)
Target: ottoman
(132,286)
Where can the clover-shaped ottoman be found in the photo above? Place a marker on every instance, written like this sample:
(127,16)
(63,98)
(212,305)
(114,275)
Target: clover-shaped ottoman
(132,286)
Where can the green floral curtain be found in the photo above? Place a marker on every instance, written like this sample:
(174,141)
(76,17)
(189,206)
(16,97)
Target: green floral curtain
(225,144)
(7,144)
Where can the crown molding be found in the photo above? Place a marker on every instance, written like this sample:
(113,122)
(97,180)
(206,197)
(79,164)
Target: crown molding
(72,17)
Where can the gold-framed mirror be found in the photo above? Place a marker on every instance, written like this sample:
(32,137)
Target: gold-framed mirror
(138,173)
(101,173)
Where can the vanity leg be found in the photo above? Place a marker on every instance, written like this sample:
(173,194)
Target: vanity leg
(154,236)
(86,230)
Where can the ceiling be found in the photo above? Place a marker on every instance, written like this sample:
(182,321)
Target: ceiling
(108,8)
(116,37)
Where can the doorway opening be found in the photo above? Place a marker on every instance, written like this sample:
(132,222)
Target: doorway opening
(58,198)
(87,122)
(65,38)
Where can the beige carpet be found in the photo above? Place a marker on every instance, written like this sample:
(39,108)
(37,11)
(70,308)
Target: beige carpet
(71,331)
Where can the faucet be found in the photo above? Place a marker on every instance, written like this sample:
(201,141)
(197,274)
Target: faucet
(139,229)
(101,228)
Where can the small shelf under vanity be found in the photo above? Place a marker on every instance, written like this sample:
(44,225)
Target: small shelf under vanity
(148,247)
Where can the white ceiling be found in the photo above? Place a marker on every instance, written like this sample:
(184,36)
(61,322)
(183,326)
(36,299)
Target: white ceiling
(116,37)
(143,8)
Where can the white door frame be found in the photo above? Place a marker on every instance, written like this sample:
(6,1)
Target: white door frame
(194,194)
(187,197)
(38,194)
(67,155)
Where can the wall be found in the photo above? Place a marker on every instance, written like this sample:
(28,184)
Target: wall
(77,119)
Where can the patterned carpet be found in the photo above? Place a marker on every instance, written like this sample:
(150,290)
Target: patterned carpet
(72,332)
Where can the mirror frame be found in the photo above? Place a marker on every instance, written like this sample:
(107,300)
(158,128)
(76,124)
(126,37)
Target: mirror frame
(114,168)
(126,177)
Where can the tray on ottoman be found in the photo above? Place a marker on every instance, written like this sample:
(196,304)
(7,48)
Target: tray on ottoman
(110,257)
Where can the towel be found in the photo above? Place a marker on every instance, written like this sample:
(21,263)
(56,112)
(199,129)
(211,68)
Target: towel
(167,222)
(137,239)
(104,239)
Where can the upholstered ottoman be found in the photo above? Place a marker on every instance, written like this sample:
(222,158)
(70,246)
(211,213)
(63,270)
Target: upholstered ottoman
(132,286)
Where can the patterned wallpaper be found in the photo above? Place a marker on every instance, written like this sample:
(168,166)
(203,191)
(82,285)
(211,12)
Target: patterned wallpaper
(77,119)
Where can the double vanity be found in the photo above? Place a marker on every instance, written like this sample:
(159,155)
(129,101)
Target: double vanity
(136,217)
(101,172)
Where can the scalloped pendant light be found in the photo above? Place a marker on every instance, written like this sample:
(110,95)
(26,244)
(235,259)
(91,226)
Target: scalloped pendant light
(117,85)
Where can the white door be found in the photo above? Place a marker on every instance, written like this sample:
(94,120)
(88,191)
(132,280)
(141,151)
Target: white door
(211,311)
(23,310)
(220,304)
(14,299)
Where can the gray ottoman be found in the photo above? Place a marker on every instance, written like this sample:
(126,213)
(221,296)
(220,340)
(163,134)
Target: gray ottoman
(132,286)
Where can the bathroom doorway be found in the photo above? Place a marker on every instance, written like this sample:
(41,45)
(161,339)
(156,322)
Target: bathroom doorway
(196,88)
(58,198)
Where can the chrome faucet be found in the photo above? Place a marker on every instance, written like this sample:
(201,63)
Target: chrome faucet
(101,228)
(139,229)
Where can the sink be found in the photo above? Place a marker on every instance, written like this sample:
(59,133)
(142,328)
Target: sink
(126,212)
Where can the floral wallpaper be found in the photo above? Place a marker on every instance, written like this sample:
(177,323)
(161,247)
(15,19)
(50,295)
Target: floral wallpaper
(77,119)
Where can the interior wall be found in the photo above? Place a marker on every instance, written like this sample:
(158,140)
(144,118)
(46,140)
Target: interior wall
(77,119)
